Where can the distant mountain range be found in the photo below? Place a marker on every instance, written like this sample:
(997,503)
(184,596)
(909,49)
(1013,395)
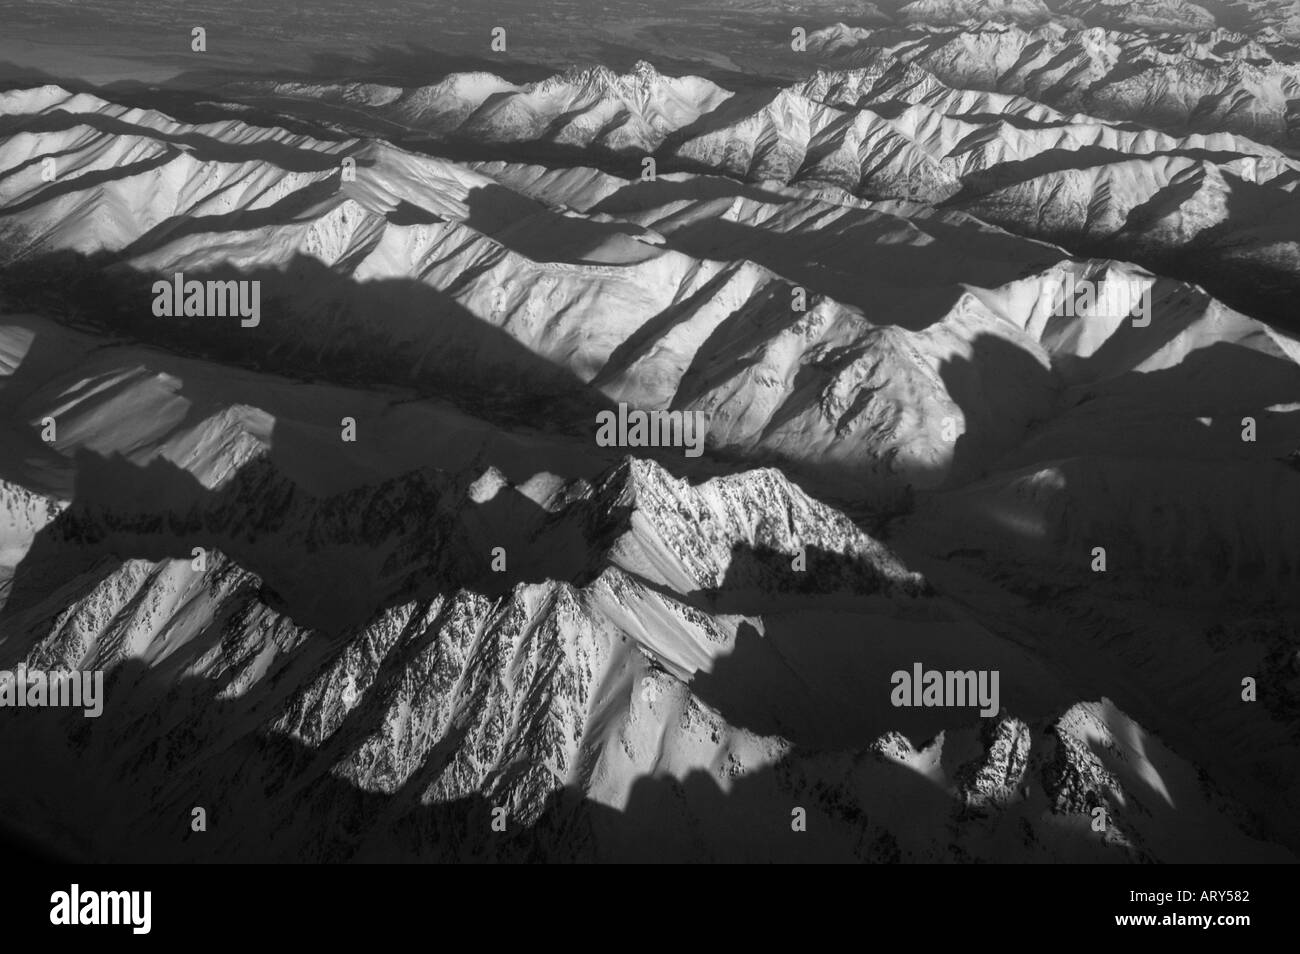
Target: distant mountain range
(1275,19)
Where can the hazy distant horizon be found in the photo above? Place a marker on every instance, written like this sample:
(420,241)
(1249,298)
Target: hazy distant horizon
(410,44)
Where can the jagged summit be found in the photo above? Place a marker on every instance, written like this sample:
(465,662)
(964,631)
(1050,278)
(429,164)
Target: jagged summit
(709,530)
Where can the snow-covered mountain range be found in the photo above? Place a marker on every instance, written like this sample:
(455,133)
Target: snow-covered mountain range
(1275,18)
(914,446)
(1187,82)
